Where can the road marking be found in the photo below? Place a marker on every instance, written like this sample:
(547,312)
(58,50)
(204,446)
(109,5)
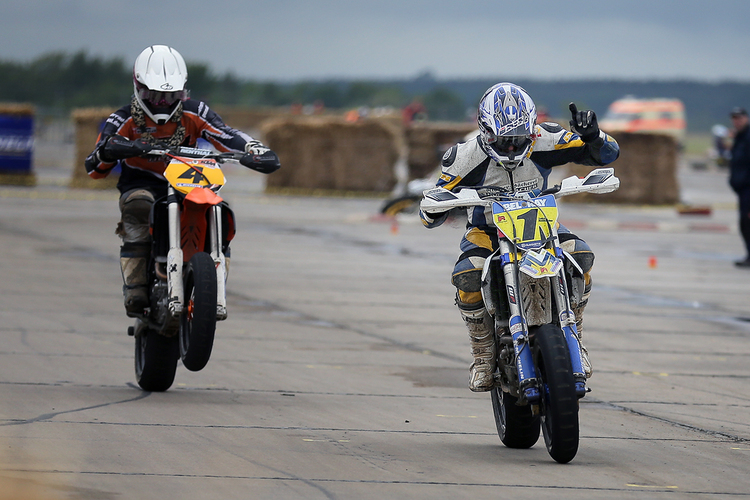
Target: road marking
(325,440)
(631,485)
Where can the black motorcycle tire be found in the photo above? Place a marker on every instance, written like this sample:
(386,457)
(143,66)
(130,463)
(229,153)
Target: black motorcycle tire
(155,361)
(403,204)
(198,319)
(558,401)
(516,425)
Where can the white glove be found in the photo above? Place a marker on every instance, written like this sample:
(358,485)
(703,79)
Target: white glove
(255,148)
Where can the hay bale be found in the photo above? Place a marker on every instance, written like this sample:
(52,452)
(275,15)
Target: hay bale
(249,120)
(88,123)
(647,169)
(17,108)
(328,153)
(427,141)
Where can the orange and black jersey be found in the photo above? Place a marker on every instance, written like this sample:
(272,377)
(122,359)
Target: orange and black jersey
(199,122)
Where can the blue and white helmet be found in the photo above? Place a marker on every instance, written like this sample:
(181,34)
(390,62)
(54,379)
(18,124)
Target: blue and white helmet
(507,118)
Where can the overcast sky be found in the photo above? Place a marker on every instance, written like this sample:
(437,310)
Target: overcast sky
(296,39)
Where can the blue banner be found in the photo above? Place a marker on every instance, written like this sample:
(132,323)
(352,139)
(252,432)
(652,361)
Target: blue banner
(16,143)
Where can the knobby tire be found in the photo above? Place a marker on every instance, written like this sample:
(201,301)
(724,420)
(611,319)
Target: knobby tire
(155,361)
(198,320)
(516,425)
(559,402)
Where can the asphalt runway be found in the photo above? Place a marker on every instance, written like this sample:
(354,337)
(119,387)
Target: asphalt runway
(341,372)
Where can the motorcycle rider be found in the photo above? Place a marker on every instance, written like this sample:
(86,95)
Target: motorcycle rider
(514,153)
(161,114)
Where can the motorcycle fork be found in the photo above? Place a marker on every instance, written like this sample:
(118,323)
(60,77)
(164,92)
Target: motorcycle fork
(174,256)
(519,329)
(568,325)
(215,239)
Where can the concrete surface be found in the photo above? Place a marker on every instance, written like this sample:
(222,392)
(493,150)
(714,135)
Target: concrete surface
(341,371)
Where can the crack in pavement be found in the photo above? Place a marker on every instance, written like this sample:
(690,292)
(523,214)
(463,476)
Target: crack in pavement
(49,416)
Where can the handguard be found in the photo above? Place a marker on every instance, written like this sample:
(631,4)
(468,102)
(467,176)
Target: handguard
(117,147)
(600,181)
(439,199)
(264,163)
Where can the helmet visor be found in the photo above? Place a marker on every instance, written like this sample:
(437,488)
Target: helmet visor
(509,146)
(161,99)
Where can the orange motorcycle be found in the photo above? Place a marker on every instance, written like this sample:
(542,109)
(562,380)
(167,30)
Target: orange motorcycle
(191,229)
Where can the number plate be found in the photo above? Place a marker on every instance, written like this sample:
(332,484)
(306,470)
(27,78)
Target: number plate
(186,174)
(528,223)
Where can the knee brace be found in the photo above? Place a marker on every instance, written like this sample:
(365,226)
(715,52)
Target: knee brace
(135,207)
(579,281)
(580,251)
(467,278)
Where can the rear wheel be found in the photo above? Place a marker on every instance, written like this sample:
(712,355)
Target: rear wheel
(516,425)
(198,320)
(558,402)
(155,361)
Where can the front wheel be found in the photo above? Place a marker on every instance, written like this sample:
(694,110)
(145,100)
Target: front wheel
(155,361)
(559,402)
(198,320)
(516,425)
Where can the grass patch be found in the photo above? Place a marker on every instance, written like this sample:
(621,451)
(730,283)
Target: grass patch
(697,144)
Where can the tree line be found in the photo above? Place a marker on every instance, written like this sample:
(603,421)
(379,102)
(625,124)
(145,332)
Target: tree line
(58,82)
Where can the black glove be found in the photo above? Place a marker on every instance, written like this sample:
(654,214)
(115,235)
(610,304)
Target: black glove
(433,215)
(117,147)
(264,163)
(584,123)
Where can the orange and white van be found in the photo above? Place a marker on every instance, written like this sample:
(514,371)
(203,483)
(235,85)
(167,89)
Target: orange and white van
(630,114)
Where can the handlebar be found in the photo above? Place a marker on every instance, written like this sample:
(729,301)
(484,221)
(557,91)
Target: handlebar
(265,162)
(436,200)
(187,152)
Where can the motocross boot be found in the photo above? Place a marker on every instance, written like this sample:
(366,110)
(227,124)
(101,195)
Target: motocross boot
(482,370)
(578,311)
(133,264)
(133,228)
(581,253)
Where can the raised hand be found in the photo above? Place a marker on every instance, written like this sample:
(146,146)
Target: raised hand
(584,123)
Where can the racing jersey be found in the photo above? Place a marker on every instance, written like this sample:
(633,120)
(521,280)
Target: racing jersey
(467,165)
(199,122)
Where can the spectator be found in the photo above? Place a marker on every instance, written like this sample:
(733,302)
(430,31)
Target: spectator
(414,111)
(739,176)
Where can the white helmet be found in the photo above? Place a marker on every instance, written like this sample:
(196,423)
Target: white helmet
(159,77)
(507,118)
